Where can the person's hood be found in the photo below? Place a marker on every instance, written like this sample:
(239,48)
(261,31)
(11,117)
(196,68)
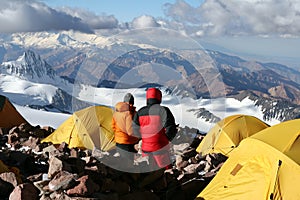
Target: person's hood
(122,107)
(153,96)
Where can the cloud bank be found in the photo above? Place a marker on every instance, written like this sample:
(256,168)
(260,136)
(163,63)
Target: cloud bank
(236,17)
(26,15)
(33,16)
(91,19)
(211,18)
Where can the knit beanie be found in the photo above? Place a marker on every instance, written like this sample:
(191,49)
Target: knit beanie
(129,98)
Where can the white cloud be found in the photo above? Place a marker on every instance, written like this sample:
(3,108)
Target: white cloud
(236,17)
(182,12)
(31,16)
(211,18)
(93,20)
(144,21)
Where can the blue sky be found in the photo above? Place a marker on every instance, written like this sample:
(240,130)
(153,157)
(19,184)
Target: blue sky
(124,10)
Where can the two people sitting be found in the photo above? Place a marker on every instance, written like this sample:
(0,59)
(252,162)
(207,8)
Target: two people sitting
(154,124)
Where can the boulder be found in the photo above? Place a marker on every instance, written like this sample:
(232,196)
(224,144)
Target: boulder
(24,191)
(5,189)
(85,187)
(62,180)
(9,177)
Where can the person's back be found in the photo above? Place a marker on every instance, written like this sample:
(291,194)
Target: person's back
(122,124)
(155,124)
(122,127)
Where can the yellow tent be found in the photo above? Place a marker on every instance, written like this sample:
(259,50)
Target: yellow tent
(264,166)
(9,116)
(228,133)
(87,128)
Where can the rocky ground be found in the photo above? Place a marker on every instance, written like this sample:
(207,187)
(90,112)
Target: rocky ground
(30,169)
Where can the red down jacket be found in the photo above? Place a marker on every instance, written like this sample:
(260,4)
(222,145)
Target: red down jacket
(154,123)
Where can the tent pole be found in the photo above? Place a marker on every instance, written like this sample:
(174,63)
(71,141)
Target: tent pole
(276,180)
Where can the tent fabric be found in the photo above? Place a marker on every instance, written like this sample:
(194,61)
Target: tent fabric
(228,133)
(263,166)
(285,137)
(87,128)
(9,116)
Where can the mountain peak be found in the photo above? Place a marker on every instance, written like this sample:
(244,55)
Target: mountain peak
(28,66)
(29,57)
(64,39)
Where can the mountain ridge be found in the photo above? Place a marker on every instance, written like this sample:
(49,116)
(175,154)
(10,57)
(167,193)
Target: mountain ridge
(97,61)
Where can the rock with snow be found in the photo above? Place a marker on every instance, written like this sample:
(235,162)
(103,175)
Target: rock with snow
(62,180)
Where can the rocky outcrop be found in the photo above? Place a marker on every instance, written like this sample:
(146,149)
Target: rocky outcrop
(47,171)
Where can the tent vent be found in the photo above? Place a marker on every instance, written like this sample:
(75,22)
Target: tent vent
(236,169)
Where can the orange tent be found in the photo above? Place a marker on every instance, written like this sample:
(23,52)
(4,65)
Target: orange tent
(9,116)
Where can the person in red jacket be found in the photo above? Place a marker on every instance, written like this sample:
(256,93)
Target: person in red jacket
(122,127)
(155,124)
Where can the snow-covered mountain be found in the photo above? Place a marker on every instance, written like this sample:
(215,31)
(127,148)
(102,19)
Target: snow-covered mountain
(62,70)
(198,113)
(187,111)
(31,81)
(29,66)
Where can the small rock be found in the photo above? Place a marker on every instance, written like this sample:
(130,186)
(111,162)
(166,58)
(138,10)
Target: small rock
(31,142)
(192,168)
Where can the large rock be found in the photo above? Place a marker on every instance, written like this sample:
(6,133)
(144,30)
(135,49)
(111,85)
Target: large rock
(26,191)
(9,177)
(5,189)
(55,166)
(62,180)
(85,187)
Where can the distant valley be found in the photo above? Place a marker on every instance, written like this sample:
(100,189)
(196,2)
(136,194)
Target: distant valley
(67,64)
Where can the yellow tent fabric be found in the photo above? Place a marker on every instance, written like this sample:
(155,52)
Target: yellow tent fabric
(264,166)
(87,128)
(285,137)
(228,133)
(9,116)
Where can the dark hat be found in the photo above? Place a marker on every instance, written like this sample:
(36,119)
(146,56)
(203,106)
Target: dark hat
(129,98)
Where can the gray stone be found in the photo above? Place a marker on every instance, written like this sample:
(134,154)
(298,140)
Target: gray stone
(9,177)
(62,180)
